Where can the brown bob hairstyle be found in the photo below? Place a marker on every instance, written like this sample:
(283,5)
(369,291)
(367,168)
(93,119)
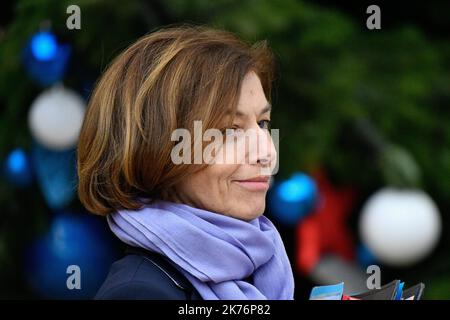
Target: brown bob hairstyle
(164,81)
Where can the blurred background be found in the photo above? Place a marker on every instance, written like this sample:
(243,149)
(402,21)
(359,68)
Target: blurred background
(364,119)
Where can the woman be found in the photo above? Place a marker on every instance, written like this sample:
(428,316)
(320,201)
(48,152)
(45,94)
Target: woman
(194,229)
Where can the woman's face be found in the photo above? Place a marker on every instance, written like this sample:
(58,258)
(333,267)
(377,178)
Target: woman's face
(238,188)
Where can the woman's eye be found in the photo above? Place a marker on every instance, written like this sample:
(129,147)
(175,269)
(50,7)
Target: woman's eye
(264,124)
(230,131)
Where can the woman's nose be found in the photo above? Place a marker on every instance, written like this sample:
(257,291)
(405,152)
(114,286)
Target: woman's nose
(263,153)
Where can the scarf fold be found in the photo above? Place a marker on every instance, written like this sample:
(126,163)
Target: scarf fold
(215,252)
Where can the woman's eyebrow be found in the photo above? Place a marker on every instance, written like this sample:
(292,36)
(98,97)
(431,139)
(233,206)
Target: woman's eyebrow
(267,108)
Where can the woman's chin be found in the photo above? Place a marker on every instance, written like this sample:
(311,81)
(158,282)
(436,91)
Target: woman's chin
(249,211)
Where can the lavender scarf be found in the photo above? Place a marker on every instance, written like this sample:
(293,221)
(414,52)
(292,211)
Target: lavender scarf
(215,252)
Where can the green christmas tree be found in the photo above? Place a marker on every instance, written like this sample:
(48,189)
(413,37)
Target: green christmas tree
(332,74)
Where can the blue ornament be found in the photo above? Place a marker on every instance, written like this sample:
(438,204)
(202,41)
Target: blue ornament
(72,260)
(293,198)
(56,175)
(18,169)
(45,59)
(44,46)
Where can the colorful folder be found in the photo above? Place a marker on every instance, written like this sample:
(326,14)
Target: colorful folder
(391,291)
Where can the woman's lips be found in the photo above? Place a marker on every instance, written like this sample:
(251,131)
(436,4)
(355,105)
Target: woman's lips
(254,184)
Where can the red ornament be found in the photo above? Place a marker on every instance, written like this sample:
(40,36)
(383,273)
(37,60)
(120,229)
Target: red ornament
(325,230)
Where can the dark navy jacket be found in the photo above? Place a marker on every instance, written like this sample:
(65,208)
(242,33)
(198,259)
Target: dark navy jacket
(145,275)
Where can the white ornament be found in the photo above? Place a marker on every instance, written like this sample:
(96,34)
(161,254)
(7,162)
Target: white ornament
(55,118)
(400,226)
